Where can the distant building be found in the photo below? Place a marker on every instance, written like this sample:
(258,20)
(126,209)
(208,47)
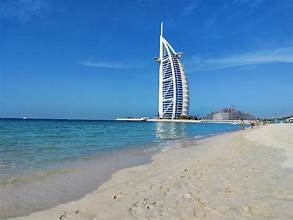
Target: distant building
(229,114)
(284,119)
(221,116)
(173,86)
(290,120)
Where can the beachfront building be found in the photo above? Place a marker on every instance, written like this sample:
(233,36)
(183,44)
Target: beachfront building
(230,113)
(173,85)
(219,116)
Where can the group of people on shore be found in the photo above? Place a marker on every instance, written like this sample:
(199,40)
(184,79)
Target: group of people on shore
(258,123)
(253,123)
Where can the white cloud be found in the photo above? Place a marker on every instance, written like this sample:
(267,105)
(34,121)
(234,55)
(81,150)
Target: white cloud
(251,3)
(109,65)
(23,10)
(191,6)
(280,55)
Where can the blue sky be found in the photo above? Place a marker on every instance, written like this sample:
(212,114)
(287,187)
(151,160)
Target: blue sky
(93,59)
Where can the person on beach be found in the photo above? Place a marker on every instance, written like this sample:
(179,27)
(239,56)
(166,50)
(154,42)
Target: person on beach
(242,124)
(252,124)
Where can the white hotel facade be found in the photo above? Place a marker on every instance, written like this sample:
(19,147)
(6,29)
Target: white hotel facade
(173,85)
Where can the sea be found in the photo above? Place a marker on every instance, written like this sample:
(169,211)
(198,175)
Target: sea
(44,163)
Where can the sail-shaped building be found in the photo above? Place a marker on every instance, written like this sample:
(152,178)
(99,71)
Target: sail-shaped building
(173,85)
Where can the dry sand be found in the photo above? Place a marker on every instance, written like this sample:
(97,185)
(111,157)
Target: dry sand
(240,175)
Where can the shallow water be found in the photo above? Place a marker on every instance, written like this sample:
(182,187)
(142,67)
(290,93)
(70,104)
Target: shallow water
(47,162)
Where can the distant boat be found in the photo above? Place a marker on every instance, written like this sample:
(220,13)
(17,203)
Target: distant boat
(132,119)
(24,118)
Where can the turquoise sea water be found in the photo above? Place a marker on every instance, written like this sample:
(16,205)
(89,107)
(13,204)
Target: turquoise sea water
(43,152)
(35,144)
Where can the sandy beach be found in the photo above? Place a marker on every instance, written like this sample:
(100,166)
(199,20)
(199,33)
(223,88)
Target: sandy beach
(239,175)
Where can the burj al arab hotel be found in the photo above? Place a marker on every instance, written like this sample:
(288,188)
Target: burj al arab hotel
(173,85)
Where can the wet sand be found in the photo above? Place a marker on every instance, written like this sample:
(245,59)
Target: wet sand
(240,175)
(35,191)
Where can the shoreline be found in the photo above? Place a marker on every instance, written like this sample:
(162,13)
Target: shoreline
(210,121)
(81,177)
(40,189)
(187,181)
(133,157)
